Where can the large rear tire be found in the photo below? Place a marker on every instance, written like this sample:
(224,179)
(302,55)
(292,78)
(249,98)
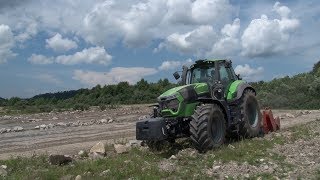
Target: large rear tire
(251,115)
(207,127)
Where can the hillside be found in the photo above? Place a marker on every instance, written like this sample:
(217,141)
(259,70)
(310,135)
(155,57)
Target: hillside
(301,91)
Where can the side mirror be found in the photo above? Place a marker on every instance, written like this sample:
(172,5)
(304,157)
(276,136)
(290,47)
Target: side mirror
(176,75)
(238,75)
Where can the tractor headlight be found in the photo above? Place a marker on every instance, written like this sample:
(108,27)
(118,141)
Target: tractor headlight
(173,104)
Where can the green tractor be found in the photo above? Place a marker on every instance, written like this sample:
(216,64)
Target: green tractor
(211,103)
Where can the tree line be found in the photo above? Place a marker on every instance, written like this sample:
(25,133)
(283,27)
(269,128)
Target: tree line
(301,91)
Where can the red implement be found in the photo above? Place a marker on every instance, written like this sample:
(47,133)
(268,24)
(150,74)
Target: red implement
(270,123)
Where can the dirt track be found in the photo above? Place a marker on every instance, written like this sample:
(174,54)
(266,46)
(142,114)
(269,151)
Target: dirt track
(80,130)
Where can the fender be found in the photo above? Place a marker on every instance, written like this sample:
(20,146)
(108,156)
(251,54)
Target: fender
(241,87)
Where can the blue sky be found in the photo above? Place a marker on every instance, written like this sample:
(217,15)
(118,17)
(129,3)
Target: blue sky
(49,46)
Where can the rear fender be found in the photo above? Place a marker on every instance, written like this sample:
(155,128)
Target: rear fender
(241,88)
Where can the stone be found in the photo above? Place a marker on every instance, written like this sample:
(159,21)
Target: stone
(3,172)
(59,159)
(61,124)
(289,115)
(3,130)
(231,146)
(37,127)
(261,160)
(55,118)
(4,166)
(104,173)
(96,156)
(134,143)
(120,149)
(67,177)
(173,157)
(43,126)
(50,125)
(8,130)
(78,177)
(110,120)
(81,153)
(216,168)
(17,128)
(103,121)
(247,176)
(98,148)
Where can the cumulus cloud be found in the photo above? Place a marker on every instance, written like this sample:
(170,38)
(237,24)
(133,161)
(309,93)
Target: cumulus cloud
(40,59)
(196,42)
(114,76)
(149,20)
(172,65)
(92,55)
(248,73)
(205,42)
(6,43)
(59,44)
(264,36)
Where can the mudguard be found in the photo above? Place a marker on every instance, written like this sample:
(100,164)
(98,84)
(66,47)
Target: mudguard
(241,87)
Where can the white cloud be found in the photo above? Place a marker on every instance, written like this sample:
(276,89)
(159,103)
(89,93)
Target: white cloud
(93,55)
(196,42)
(172,65)
(6,43)
(114,76)
(264,37)
(47,78)
(40,59)
(248,73)
(57,43)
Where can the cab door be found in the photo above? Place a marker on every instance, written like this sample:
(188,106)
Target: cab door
(227,77)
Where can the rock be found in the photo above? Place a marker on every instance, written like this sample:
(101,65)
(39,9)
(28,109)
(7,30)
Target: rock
(78,177)
(247,176)
(98,148)
(3,130)
(59,159)
(120,149)
(43,126)
(8,130)
(37,127)
(134,143)
(265,167)
(17,128)
(173,157)
(3,172)
(103,121)
(110,120)
(216,168)
(143,117)
(4,166)
(81,153)
(104,173)
(231,146)
(261,160)
(61,124)
(50,125)
(96,156)
(67,177)
(289,115)
(55,118)
(166,166)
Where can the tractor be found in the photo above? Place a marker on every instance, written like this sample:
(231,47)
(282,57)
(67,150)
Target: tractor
(210,104)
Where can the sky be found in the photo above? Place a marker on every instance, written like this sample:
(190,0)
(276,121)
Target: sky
(50,46)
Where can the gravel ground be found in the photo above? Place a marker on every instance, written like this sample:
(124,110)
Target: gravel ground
(72,131)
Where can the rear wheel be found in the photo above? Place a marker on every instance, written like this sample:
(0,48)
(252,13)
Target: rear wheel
(250,112)
(207,127)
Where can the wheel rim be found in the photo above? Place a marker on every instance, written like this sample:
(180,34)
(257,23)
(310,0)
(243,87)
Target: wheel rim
(216,129)
(252,112)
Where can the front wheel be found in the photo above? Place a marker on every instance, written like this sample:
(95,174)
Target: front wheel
(208,127)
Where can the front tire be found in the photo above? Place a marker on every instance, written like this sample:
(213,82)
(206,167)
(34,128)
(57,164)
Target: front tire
(208,127)
(250,112)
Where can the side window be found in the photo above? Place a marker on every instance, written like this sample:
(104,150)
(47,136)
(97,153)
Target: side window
(232,74)
(224,75)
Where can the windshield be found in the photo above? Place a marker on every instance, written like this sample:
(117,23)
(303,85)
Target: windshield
(202,75)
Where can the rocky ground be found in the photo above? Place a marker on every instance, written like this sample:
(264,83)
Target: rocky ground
(67,132)
(293,152)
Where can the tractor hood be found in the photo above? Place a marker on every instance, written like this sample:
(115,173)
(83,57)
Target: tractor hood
(199,88)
